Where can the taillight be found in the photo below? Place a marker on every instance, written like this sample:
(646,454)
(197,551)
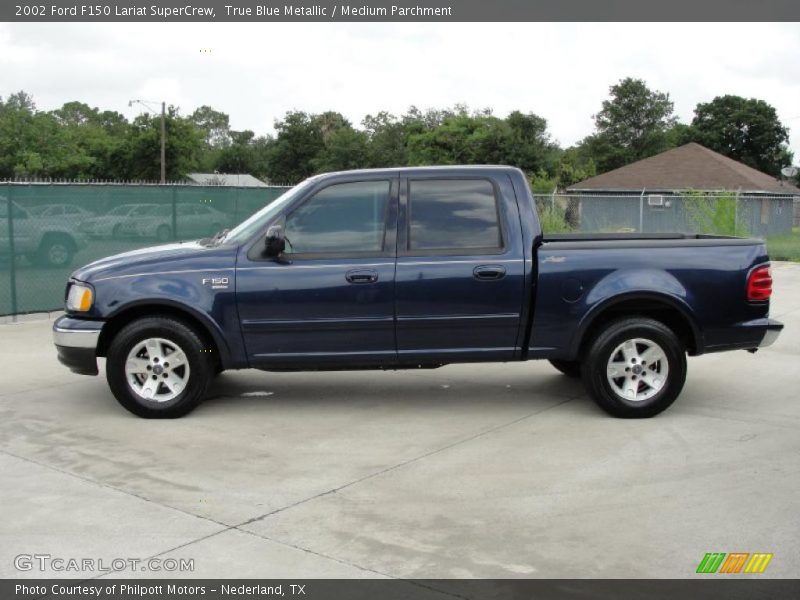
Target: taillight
(759,284)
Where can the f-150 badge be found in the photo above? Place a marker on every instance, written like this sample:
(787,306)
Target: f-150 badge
(216,283)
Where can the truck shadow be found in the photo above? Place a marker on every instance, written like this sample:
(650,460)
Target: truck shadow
(407,389)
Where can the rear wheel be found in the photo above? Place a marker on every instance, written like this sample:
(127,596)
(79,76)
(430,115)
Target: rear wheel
(635,368)
(159,368)
(570,368)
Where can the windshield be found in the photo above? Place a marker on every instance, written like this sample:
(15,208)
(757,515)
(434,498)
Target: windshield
(247,228)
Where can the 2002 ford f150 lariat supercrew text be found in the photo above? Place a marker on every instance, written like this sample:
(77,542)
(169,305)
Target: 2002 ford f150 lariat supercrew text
(414,268)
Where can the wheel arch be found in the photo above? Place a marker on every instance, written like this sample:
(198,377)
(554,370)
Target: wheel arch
(192,318)
(666,309)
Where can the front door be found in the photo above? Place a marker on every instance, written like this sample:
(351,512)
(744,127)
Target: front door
(460,275)
(330,299)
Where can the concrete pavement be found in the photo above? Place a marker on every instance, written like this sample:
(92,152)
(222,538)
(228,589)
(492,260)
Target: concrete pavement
(498,470)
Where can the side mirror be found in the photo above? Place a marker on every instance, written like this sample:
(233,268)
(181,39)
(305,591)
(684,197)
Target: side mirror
(274,242)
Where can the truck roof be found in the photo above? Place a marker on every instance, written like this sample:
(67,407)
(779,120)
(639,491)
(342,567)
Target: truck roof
(448,169)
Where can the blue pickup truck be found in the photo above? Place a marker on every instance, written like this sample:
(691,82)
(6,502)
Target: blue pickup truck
(414,268)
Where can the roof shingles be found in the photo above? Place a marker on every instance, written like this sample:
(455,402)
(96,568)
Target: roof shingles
(691,166)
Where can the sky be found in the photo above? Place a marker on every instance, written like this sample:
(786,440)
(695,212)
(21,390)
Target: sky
(255,72)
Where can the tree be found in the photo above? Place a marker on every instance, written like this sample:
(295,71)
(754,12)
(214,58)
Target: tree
(747,130)
(530,146)
(34,143)
(142,151)
(298,142)
(214,124)
(344,148)
(95,139)
(386,140)
(632,124)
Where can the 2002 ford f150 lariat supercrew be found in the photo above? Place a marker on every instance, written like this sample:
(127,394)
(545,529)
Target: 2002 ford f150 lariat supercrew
(414,268)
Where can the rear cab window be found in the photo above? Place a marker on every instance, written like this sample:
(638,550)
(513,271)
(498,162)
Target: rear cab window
(453,216)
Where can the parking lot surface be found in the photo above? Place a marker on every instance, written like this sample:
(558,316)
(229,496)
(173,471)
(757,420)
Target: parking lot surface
(495,470)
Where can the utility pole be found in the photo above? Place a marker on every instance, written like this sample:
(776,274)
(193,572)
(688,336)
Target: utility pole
(163,143)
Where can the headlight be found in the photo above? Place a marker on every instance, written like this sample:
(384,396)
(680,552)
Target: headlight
(80,298)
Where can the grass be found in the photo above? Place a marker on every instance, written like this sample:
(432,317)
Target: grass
(785,247)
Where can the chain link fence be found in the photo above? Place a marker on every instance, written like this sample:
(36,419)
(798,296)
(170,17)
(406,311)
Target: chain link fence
(689,212)
(49,229)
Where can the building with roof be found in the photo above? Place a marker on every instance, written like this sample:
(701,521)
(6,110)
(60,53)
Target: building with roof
(225,179)
(652,194)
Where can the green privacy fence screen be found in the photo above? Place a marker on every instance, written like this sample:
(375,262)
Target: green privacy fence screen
(47,230)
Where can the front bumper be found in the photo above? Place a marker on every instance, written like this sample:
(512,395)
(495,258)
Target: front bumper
(76,343)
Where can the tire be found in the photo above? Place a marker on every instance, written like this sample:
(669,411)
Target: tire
(159,390)
(643,388)
(570,368)
(55,251)
(163,233)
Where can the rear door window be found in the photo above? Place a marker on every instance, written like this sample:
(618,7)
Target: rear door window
(452,214)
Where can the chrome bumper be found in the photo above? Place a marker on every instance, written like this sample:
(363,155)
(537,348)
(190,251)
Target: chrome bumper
(773,330)
(75,338)
(76,343)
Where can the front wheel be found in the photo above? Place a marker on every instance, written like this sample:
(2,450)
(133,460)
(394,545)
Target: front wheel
(635,368)
(159,368)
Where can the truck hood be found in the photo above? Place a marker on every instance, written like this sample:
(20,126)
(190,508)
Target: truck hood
(181,256)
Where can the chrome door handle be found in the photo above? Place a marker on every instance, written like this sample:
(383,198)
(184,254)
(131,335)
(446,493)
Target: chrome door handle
(361,276)
(489,272)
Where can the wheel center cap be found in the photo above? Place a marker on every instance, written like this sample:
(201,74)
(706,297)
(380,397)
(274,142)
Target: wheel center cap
(637,369)
(158,369)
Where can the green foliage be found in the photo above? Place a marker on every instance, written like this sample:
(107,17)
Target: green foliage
(713,214)
(298,143)
(80,141)
(387,138)
(747,130)
(574,165)
(142,149)
(785,247)
(553,214)
(554,222)
(632,124)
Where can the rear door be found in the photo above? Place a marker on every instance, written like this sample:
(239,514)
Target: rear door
(331,300)
(460,272)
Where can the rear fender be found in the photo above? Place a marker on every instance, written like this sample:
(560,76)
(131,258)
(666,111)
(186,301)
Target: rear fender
(653,285)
